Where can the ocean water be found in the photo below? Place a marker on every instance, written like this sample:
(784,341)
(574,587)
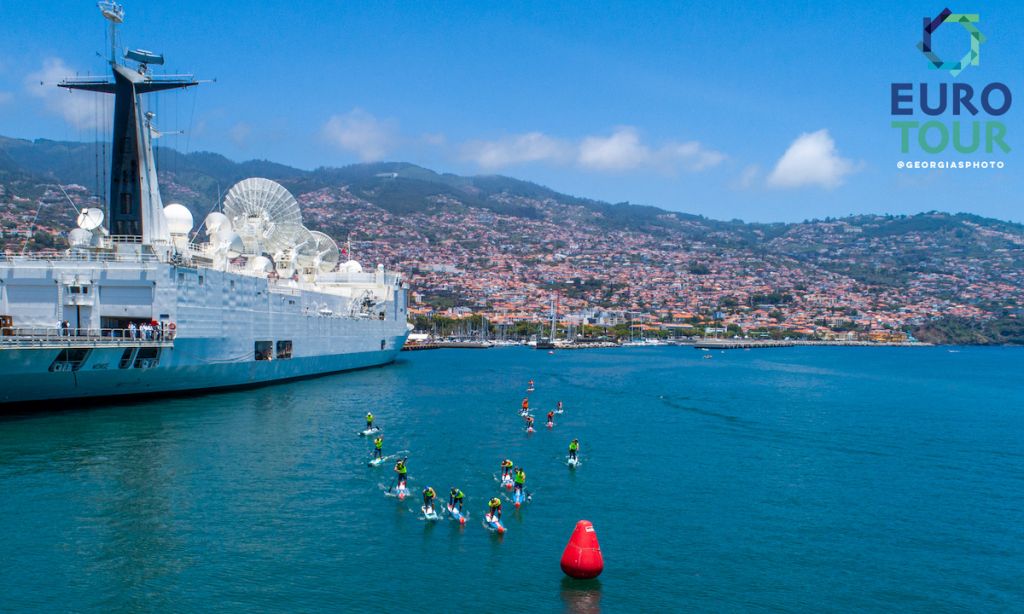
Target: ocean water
(794,479)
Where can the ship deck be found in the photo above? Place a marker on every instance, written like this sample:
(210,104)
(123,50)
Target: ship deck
(81,338)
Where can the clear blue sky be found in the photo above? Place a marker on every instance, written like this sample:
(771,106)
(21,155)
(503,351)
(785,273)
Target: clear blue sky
(687,106)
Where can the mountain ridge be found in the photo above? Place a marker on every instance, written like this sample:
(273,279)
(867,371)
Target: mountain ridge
(495,244)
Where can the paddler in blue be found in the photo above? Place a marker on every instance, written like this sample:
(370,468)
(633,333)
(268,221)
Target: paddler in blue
(378,446)
(519,478)
(369,420)
(428,498)
(401,470)
(455,498)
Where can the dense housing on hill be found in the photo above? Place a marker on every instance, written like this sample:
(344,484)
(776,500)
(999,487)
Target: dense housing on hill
(502,248)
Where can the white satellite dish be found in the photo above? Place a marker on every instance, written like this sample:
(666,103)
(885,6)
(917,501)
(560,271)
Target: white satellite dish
(179,219)
(79,237)
(261,264)
(90,218)
(327,253)
(305,248)
(230,244)
(264,214)
(216,222)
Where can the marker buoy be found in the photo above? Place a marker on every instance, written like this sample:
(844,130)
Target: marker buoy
(582,556)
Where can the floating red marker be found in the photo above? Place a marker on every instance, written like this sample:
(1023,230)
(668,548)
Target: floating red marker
(582,556)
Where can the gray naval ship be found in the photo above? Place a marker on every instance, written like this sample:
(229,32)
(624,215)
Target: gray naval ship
(138,306)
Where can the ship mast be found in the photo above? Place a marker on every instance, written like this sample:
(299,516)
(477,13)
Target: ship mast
(135,208)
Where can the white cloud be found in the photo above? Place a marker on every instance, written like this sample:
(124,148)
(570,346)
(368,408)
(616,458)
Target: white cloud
(239,133)
(620,151)
(529,147)
(811,159)
(359,132)
(623,150)
(78,108)
(748,178)
(435,139)
(691,156)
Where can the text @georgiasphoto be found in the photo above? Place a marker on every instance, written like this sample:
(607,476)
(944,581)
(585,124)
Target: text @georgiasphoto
(951,165)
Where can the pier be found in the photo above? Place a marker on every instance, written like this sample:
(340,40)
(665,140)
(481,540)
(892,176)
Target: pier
(739,344)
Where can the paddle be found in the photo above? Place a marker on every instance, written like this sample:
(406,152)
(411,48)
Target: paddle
(396,476)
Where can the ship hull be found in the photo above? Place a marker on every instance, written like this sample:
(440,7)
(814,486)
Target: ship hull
(215,330)
(32,384)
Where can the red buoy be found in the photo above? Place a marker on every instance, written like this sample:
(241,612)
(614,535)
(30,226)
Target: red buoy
(582,556)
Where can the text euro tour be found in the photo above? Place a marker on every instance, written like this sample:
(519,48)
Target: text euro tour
(960,99)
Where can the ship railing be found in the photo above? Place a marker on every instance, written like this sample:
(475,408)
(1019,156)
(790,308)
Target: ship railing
(124,239)
(53,336)
(80,256)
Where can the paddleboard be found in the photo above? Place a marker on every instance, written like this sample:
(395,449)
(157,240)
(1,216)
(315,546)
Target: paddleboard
(550,425)
(573,462)
(507,482)
(375,462)
(370,431)
(403,492)
(429,514)
(493,523)
(518,497)
(456,514)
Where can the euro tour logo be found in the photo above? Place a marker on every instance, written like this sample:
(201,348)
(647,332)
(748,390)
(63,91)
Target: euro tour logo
(973,127)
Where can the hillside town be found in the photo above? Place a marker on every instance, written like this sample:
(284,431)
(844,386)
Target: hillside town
(860,278)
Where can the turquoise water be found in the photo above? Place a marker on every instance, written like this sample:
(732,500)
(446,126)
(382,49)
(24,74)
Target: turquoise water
(796,479)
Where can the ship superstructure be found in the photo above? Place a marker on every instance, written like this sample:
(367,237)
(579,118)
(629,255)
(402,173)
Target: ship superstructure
(137,305)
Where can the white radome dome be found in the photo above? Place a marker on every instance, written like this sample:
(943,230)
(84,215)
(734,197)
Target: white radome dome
(351,266)
(179,219)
